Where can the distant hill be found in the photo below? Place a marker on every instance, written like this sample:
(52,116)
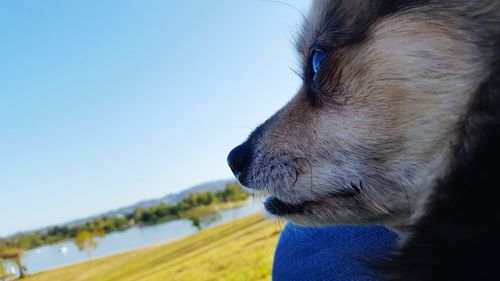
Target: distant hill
(170,198)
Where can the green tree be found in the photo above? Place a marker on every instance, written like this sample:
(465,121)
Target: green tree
(13,253)
(149,216)
(235,193)
(85,241)
(196,221)
(137,215)
(211,198)
(190,201)
(3,271)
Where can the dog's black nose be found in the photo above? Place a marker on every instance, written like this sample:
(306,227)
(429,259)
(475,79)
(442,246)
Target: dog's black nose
(239,160)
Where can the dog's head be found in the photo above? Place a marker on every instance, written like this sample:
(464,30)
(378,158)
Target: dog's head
(386,84)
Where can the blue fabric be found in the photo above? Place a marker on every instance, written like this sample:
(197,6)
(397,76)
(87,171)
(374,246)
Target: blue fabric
(330,253)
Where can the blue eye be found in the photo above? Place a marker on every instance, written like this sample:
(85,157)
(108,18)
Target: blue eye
(317,59)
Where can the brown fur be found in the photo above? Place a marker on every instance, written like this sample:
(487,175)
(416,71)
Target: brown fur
(383,114)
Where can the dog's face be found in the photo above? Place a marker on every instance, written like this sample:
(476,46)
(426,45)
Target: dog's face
(385,85)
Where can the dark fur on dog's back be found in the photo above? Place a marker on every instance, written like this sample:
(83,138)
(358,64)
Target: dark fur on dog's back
(458,238)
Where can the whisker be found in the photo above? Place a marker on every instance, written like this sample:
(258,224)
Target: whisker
(403,187)
(286,5)
(310,170)
(239,127)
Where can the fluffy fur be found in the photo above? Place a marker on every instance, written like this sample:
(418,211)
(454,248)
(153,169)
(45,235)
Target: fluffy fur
(457,237)
(400,126)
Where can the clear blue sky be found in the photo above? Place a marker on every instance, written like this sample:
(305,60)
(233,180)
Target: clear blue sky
(105,103)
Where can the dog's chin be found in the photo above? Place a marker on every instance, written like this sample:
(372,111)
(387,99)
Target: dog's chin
(298,213)
(281,208)
(305,212)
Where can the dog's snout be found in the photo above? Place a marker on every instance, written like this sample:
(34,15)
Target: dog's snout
(239,160)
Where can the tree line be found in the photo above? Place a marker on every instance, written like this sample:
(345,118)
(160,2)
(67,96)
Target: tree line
(12,248)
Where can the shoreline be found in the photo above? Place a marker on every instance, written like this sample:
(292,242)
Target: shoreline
(219,208)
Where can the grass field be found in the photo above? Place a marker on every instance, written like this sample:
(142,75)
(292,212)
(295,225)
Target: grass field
(239,250)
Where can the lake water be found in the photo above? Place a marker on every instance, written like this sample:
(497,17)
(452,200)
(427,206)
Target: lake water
(65,253)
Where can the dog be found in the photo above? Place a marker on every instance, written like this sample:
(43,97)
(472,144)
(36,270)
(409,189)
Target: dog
(397,122)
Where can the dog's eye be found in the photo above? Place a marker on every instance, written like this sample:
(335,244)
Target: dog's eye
(317,59)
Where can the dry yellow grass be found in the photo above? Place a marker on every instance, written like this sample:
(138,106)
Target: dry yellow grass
(239,250)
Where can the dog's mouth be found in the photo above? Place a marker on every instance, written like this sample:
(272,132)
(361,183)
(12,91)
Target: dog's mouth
(278,207)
